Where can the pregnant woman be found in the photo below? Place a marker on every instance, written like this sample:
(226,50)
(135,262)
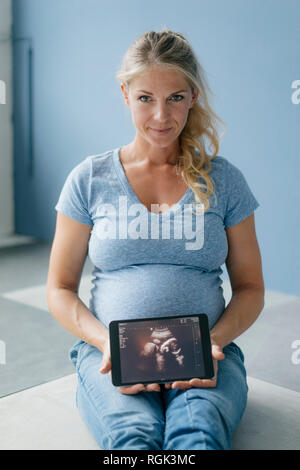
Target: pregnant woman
(158,218)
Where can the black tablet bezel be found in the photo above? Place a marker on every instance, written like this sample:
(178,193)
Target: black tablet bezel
(115,349)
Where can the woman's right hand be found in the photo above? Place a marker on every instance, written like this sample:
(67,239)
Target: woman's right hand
(128,390)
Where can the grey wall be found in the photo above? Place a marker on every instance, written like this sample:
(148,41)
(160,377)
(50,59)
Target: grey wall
(6,126)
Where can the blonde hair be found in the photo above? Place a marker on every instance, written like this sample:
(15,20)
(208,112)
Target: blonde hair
(172,50)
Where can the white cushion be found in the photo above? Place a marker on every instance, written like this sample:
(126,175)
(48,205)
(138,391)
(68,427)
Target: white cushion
(45,417)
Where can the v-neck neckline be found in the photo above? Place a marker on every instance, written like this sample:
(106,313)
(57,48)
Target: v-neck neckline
(128,188)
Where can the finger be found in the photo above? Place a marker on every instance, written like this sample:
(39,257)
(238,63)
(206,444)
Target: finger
(217,355)
(209,383)
(132,390)
(153,388)
(217,352)
(215,371)
(105,367)
(196,382)
(181,385)
(199,382)
(204,383)
(104,371)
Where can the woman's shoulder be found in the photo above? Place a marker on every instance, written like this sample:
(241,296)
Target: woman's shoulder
(218,168)
(224,168)
(91,164)
(99,159)
(217,164)
(225,176)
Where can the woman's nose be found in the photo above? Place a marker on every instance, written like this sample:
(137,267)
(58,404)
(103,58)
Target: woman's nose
(162,113)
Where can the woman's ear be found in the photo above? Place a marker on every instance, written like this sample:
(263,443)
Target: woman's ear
(125,93)
(195,96)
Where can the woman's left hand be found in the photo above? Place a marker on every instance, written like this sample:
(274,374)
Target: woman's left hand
(217,355)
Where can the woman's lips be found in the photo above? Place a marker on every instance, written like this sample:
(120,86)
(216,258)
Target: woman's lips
(164,131)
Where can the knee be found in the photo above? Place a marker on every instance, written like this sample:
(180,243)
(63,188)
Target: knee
(129,432)
(214,426)
(118,421)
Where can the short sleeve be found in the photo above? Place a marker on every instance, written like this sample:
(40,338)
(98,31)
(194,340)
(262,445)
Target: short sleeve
(74,197)
(240,199)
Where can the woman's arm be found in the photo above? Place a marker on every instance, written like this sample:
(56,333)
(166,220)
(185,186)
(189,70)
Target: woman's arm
(244,267)
(68,254)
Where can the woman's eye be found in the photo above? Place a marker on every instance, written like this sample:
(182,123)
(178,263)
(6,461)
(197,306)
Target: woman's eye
(144,96)
(180,96)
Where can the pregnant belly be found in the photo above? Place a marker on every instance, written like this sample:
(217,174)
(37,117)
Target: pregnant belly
(154,290)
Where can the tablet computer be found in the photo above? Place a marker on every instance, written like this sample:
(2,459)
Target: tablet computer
(160,350)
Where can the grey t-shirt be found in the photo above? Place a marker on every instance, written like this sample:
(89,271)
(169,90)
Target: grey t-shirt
(149,264)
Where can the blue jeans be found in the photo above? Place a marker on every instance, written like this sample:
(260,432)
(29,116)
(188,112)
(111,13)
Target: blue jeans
(198,418)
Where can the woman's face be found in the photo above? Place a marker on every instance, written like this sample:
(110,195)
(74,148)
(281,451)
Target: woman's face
(159,99)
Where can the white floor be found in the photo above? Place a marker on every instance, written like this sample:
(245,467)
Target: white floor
(15,240)
(46,418)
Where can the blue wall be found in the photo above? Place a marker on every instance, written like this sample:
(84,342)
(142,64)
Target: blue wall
(251,52)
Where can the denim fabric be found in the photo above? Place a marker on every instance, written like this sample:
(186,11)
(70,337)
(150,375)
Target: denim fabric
(192,419)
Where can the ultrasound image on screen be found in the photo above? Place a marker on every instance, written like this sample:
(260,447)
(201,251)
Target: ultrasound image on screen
(160,349)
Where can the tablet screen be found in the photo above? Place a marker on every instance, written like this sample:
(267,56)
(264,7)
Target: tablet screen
(160,349)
